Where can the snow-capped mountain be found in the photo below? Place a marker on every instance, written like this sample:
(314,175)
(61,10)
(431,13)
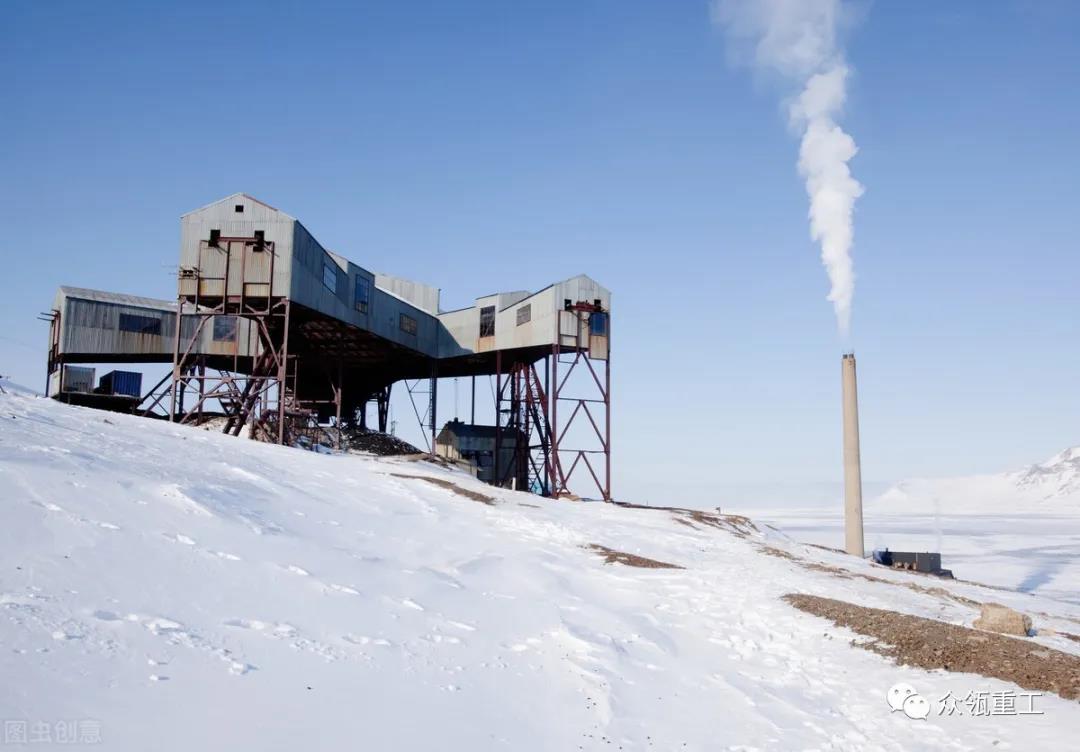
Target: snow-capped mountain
(1048,487)
(1057,478)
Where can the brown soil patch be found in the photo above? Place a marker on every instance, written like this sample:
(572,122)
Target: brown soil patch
(847,574)
(732,523)
(929,644)
(450,485)
(611,556)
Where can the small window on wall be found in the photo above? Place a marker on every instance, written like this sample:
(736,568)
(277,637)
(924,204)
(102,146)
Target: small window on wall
(524,314)
(362,294)
(487,321)
(224,328)
(407,324)
(329,277)
(131,322)
(598,324)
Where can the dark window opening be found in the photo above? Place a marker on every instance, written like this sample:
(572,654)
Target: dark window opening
(224,328)
(598,323)
(329,277)
(239,208)
(524,314)
(215,237)
(260,240)
(362,294)
(487,321)
(407,324)
(132,322)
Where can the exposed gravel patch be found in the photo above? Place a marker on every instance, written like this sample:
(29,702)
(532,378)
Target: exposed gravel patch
(930,644)
(468,493)
(611,556)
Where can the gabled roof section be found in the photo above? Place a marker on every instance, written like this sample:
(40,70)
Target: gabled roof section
(232,198)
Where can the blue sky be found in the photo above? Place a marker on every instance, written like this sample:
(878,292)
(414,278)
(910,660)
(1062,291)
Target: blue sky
(479,146)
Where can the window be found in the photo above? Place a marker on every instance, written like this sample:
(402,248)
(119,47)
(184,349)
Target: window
(524,314)
(329,277)
(487,321)
(132,322)
(407,324)
(224,328)
(239,208)
(260,241)
(362,294)
(598,324)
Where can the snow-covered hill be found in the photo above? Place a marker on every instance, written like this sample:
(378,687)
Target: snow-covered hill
(174,589)
(1051,486)
(10,387)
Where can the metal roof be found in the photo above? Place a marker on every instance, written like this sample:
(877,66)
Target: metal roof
(100,296)
(234,196)
(469,431)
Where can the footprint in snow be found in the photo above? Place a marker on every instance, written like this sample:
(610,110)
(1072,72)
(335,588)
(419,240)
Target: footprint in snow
(66,634)
(344,589)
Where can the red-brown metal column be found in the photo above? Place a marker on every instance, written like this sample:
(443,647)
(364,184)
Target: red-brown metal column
(498,414)
(176,354)
(556,466)
(607,413)
(283,373)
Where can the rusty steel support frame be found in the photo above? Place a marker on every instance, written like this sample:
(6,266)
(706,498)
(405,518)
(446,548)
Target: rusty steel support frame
(54,361)
(426,421)
(528,406)
(577,356)
(527,424)
(433,408)
(382,401)
(261,396)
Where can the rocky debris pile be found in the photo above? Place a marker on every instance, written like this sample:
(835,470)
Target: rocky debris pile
(375,442)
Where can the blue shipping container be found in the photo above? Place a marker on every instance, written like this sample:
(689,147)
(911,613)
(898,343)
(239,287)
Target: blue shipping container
(127,383)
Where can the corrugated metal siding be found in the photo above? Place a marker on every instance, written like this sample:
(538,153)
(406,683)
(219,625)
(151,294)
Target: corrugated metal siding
(78,379)
(195,231)
(422,296)
(127,383)
(461,329)
(386,322)
(90,327)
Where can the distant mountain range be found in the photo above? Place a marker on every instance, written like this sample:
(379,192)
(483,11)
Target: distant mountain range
(1050,486)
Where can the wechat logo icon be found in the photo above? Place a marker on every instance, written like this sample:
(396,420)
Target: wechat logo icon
(905,698)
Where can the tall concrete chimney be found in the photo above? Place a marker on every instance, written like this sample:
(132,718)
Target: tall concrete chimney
(853,526)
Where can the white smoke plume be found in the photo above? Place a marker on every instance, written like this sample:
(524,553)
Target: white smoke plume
(798,40)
